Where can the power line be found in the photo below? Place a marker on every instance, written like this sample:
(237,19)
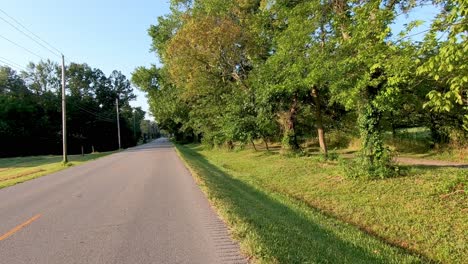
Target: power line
(100,117)
(50,47)
(18,45)
(87,106)
(25,28)
(64,123)
(9,65)
(53,52)
(93,113)
(12,64)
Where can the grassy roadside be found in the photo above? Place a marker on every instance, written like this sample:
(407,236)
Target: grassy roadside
(277,226)
(21,169)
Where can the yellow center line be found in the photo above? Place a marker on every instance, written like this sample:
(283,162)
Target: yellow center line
(19,227)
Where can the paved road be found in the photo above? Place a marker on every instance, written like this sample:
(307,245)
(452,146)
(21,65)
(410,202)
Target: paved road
(136,206)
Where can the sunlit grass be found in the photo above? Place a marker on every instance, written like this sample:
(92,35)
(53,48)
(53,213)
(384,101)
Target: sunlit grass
(21,169)
(275,205)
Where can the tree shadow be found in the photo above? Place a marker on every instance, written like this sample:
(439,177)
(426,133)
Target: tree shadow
(34,161)
(149,147)
(287,234)
(24,162)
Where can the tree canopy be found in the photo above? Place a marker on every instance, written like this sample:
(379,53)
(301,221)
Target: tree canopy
(237,71)
(30,110)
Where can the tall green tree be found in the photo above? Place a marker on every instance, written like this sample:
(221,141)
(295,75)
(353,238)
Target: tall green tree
(30,110)
(447,67)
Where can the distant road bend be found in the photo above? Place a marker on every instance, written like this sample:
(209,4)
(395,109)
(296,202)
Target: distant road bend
(137,206)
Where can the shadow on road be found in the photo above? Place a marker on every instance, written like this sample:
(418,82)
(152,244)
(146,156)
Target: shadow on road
(160,143)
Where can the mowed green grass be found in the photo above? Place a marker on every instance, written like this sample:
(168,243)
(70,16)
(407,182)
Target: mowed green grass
(301,210)
(21,169)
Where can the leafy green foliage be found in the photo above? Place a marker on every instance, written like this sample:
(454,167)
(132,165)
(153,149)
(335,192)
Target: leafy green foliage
(362,167)
(294,72)
(288,71)
(448,65)
(30,110)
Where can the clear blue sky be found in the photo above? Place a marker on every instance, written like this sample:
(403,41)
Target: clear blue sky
(106,34)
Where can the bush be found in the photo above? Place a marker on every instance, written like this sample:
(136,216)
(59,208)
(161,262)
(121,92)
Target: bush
(458,139)
(338,139)
(332,155)
(363,167)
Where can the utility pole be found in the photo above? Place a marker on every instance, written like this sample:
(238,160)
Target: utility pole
(64,114)
(118,121)
(134,126)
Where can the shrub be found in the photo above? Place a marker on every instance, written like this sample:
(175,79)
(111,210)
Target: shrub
(338,139)
(362,167)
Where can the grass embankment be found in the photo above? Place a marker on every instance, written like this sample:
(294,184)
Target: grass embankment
(300,210)
(21,169)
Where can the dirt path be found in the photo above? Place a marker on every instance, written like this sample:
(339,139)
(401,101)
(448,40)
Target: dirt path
(422,162)
(432,163)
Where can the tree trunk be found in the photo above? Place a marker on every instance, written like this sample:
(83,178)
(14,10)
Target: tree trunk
(230,145)
(319,121)
(266,144)
(341,8)
(253,144)
(292,124)
(392,122)
(288,120)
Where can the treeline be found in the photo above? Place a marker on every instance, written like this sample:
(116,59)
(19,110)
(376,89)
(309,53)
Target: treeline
(241,70)
(31,113)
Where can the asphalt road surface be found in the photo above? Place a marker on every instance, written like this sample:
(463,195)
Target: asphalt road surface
(137,206)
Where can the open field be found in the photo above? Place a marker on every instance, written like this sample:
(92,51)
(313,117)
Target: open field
(293,209)
(21,169)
